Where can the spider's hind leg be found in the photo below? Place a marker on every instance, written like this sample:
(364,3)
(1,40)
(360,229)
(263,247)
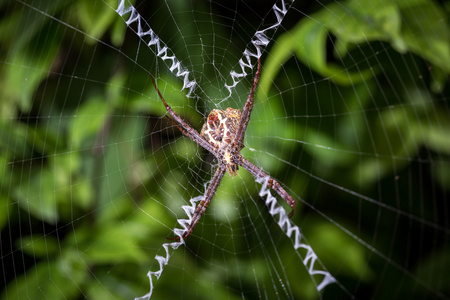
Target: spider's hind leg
(274,185)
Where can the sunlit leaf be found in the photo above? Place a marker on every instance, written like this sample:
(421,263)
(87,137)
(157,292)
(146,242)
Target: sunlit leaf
(94,18)
(113,246)
(338,248)
(427,34)
(45,281)
(39,245)
(89,121)
(36,196)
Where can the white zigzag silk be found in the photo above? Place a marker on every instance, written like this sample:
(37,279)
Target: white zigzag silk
(146,34)
(290,229)
(260,40)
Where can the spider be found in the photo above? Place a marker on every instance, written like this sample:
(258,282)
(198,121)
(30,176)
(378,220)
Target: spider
(223,135)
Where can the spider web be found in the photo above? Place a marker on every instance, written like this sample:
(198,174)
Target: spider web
(350,116)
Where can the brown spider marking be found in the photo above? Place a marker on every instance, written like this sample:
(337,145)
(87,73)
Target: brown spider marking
(221,127)
(220,130)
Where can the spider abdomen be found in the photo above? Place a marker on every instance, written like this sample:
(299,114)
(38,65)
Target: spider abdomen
(221,126)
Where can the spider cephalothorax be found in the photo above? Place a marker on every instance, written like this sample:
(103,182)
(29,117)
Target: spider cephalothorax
(223,136)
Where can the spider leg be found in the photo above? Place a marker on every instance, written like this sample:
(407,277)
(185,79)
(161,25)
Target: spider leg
(179,127)
(188,130)
(209,194)
(247,108)
(273,184)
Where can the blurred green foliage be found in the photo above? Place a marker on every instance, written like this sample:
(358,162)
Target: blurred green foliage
(91,184)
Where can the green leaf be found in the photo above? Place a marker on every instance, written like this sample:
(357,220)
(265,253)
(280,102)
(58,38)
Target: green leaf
(14,136)
(111,288)
(418,28)
(115,88)
(118,33)
(356,22)
(427,34)
(82,192)
(42,191)
(112,245)
(22,76)
(401,131)
(39,245)
(326,150)
(89,121)
(37,196)
(27,67)
(337,249)
(45,281)
(308,40)
(95,17)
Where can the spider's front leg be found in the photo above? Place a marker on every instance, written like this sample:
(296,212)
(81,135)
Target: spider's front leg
(248,106)
(184,127)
